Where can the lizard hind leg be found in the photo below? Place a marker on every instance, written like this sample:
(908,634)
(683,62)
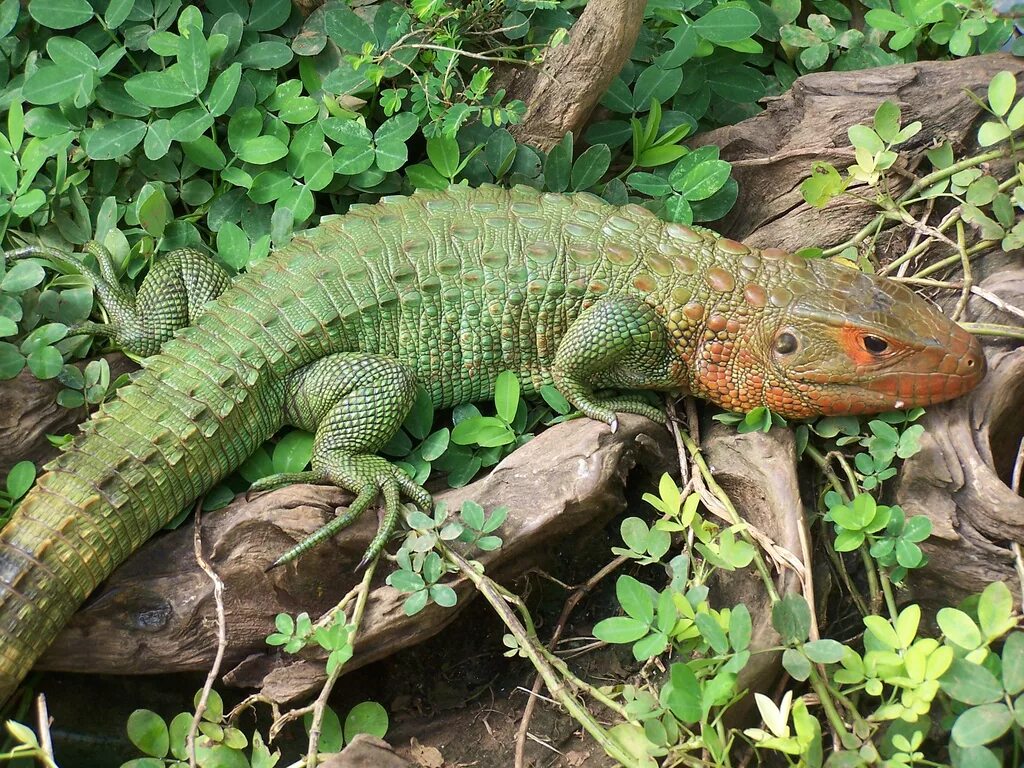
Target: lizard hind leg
(354,403)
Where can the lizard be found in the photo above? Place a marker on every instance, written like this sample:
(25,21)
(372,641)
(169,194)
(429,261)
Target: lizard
(446,289)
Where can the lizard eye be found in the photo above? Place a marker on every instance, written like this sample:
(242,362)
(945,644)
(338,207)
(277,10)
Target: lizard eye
(876,345)
(786,343)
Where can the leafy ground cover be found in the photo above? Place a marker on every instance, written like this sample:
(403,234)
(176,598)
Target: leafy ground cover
(150,125)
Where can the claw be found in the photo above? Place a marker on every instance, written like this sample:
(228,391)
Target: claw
(367,559)
(614,424)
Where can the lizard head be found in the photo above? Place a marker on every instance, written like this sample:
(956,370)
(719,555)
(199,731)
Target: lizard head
(858,344)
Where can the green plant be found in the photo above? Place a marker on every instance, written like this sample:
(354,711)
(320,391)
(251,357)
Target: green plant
(420,560)
(19,480)
(219,743)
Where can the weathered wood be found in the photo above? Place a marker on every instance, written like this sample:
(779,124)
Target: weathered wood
(156,613)
(30,412)
(561,94)
(772,153)
(758,471)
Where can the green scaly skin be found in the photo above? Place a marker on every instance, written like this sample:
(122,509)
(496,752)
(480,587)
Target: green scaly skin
(448,289)
(173,295)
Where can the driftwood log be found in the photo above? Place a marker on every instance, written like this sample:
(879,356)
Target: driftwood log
(561,94)
(155,613)
(30,412)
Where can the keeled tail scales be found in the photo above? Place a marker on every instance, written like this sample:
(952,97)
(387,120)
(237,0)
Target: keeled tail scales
(446,290)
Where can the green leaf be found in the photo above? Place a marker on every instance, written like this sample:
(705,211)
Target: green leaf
(970,683)
(293,451)
(863,137)
(1013,657)
(267,15)
(391,154)
(678,209)
(72,53)
(995,610)
(160,89)
(111,141)
(590,167)
(20,479)
(158,139)
(9,10)
(740,627)
(52,83)
(792,618)
(703,180)
(727,24)
(443,153)
(887,121)
(154,211)
(620,630)
(117,12)
(205,153)
(883,18)
(224,89)
(194,60)
(265,55)
(635,599)
(366,717)
(60,14)
(711,631)
(423,176)
(11,361)
(824,651)
(796,664)
(262,150)
(28,203)
(506,395)
(684,698)
(347,29)
(351,160)
(981,725)
(618,98)
(189,124)
(499,152)
(1001,91)
(657,84)
(22,276)
(649,184)
(233,245)
(148,731)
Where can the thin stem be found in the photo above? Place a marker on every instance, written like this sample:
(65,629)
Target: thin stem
(320,705)
(492,594)
(994,329)
(733,515)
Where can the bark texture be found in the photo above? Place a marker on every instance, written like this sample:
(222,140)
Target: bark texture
(157,612)
(561,94)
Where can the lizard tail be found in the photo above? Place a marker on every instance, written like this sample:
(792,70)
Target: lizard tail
(198,410)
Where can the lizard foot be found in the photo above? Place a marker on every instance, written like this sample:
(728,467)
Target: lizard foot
(366,476)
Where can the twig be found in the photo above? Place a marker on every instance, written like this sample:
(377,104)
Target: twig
(497,598)
(43,724)
(570,605)
(994,329)
(222,640)
(965,261)
(998,302)
(320,705)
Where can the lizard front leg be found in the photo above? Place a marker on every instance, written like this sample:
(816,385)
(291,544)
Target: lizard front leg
(617,342)
(354,403)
